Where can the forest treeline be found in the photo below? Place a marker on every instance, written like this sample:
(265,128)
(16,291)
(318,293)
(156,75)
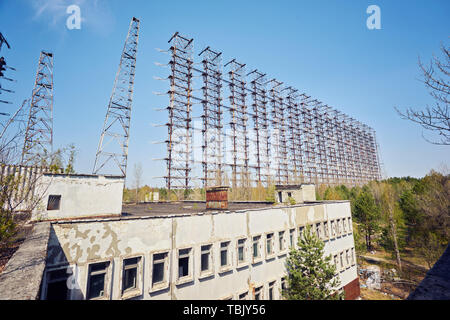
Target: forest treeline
(399,213)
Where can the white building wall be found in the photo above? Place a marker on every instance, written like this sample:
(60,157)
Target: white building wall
(83,242)
(81,196)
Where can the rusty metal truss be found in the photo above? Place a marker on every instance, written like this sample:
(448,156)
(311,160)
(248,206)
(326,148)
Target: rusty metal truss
(270,134)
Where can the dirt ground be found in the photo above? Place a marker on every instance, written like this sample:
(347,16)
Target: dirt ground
(396,287)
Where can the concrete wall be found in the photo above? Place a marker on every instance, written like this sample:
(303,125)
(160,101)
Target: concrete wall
(81,196)
(21,279)
(304,193)
(79,243)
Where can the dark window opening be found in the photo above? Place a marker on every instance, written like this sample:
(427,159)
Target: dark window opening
(205,258)
(280,197)
(97,280)
(130,271)
(57,285)
(183,263)
(54,202)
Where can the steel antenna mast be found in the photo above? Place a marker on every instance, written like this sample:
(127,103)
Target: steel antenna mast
(112,152)
(38,144)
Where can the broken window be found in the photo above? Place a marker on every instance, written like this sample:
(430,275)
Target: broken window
(241,250)
(347,258)
(269,244)
(205,263)
(183,262)
(325,229)
(224,261)
(97,280)
(344,226)
(281,240)
(57,284)
(338,227)
(54,202)
(280,197)
(159,266)
(130,274)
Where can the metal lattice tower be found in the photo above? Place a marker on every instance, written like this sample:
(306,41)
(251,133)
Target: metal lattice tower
(292,137)
(112,152)
(240,174)
(179,141)
(212,160)
(38,144)
(261,128)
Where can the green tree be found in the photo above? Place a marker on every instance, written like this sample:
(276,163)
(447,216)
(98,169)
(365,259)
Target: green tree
(368,215)
(310,274)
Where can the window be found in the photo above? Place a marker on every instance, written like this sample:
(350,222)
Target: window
(184,265)
(258,293)
(54,202)
(347,258)
(344,226)
(271,286)
(269,244)
(281,240)
(353,256)
(255,248)
(291,238)
(290,194)
(301,231)
(97,280)
(341,256)
(280,197)
(241,251)
(283,283)
(318,230)
(224,254)
(160,266)
(338,227)
(57,284)
(243,296)
(333,228)
(206,259)
(335,259)
(350,227)
(325,230)
(130,274)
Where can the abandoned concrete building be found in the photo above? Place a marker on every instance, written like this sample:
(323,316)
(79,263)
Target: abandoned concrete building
(168,250)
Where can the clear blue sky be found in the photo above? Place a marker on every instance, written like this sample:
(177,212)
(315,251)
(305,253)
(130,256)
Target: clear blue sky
(322,48)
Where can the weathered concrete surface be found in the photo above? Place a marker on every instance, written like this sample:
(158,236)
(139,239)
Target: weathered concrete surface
(21,279)
(436,284)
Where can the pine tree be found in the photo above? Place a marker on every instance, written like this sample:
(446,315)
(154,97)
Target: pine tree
(310,274)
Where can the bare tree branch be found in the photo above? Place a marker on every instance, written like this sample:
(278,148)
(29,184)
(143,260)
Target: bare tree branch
(436,118)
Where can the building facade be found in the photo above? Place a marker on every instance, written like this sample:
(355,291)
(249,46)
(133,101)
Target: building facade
(207,255)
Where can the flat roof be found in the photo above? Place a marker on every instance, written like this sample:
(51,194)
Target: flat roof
(185,207)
